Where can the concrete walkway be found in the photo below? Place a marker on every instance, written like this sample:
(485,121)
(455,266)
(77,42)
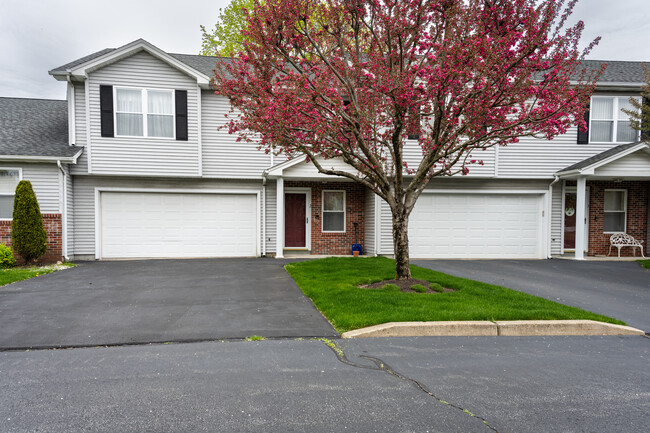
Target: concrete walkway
(125,302)
(616,289)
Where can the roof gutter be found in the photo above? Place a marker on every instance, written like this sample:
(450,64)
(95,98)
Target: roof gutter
(51,159)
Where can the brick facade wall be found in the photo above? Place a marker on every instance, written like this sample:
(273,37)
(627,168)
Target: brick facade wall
(637,215)
(335,243)
(54,230)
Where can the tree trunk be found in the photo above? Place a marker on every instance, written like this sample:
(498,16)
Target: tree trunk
(401,244)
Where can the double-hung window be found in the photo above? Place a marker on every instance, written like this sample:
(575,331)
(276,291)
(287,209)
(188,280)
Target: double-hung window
(144,112)
(9,179)
(334,211)
(615,211)
(609,124)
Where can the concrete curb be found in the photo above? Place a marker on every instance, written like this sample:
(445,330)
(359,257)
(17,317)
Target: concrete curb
(485,328)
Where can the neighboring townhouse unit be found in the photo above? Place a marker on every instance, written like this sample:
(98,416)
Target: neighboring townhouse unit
(135,166)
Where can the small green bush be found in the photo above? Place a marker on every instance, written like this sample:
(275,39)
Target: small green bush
(436,287)
(28,235)
(7,259)
(419,288)
(390,287)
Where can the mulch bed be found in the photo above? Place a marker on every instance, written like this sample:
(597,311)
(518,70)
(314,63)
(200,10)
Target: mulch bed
(404,285)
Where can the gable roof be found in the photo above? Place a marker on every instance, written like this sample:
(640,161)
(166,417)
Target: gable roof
(36,129)
(600,159)
(81,67)
(69,66)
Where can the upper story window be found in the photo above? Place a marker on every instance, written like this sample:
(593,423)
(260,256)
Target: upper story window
(9,179)
(608,123)
(144,112)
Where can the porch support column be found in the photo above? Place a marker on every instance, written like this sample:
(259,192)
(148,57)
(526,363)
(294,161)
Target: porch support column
(279,228)
(581,203)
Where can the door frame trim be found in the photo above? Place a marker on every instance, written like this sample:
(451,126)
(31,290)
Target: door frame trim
(307,192)
(98,203)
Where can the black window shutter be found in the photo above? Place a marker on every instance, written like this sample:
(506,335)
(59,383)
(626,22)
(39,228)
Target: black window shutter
(106,109)
(583,134)
(181,115)
(645,134)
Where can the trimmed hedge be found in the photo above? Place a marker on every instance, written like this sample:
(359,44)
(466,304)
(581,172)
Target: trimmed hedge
(28,235)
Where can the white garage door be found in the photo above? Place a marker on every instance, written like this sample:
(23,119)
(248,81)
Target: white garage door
(476,226)
(139,225)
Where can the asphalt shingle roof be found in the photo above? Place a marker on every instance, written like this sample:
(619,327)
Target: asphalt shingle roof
(618,71)
(34,127)
(600,156)
(75,63)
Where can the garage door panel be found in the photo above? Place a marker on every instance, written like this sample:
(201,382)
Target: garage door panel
(476,226)
(144,224)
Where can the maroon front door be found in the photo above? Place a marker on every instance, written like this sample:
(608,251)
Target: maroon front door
(295,220)
(570,220)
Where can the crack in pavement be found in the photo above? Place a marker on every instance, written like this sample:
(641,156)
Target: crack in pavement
(382,366)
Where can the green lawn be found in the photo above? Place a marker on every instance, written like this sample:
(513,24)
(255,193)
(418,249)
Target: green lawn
(331,284)
(12,275)
(645,263)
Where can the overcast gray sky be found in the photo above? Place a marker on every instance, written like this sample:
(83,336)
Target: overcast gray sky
(38,35)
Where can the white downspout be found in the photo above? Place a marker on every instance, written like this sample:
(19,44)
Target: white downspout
(550,215)
(264,213)
(64,212)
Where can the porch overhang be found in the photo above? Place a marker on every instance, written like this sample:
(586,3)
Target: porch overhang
(629,161)
(299,169)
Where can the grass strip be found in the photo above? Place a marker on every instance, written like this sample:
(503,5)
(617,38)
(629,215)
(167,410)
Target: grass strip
(11,275)
(331,284)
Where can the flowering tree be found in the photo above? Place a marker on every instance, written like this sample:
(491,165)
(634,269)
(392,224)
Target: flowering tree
(354,78)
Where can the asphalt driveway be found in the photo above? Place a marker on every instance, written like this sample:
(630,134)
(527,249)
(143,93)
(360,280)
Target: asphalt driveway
(616,289)
(125,302)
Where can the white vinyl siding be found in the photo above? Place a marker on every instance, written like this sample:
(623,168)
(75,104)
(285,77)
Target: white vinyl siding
(144,155)
(370,226)
(271,217)
(81,167)
(222,154)
(177,225)
(557,216)
(413,156)
(69,212)
(539,158)
(84,200)
(637,162)
(46,184)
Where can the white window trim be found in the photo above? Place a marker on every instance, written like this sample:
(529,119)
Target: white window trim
(624,210)
(614,119)
(145,129)
(20,178)
(322,226)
